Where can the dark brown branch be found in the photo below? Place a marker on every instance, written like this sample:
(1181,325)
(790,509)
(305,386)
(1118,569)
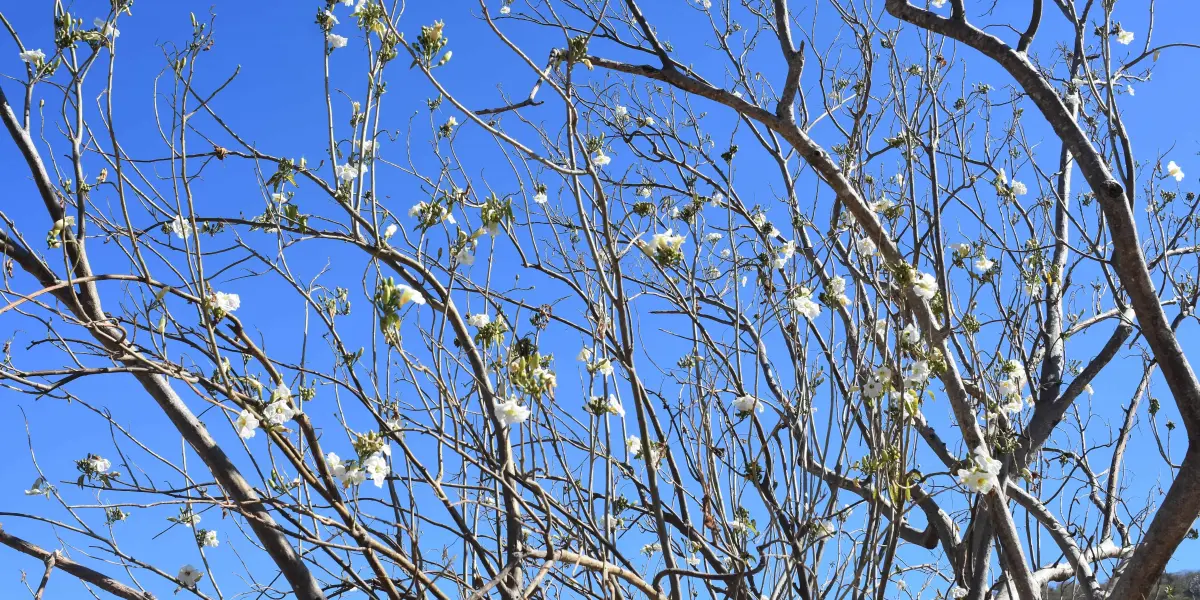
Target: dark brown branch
(57,560)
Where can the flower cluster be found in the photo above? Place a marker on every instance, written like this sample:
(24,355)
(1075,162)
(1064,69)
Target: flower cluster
(189,576)
(221,304)
(982,474)
(746,405)
(600,406)
(429,214)
(511,412)
(1010,387)
(94,467)
(633,444)
(352,473)
(532,374)
(390,297)
(783,254)
(664,248)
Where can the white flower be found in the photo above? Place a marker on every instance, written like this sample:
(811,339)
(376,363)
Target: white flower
(716,199)
(649,549)
(187,518)
(984,264)
(881,327)
(479,320)
(693,561)
(633,444)
(1124,37)
(1010,387)
(347,172)
(1173,170)
(705,4)
(182,228)
(408,294)
(837,289)
(504,10)
(246,424)
(645,191)
(100,465)
(925,286)
(919,374)
(1014,405)
(614,406)
(601,159)
(281,392)
(744,405)
(1129,90)
(1015,370)
(1088,388)
(189,576)
(585,355)
(226,302)
(545,377)
(353,476)
(609,406)
(803,304)
(962,250)
(982,477)
(465,256)
(937,3)
(208,538)
(540,197)
(823,529)
(511,412)
(1033,288)
(865,246)
(280,412)
(376,468)
(337,41)
(648,121)
(106,30)
(331,18)
(336,467)
(958,592)
(33,57)
(667,241)
(1019,188)
(603,367)
(784,253)
(898,178)
(714,237)
(873,388)
(390,231)
(621,113)
(910,334)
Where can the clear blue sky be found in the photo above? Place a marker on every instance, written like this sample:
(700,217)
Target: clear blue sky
(277,101)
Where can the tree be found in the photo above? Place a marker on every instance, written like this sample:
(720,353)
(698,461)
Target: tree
(791,310)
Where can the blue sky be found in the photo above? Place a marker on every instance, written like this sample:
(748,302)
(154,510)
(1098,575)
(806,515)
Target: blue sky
(277,101)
